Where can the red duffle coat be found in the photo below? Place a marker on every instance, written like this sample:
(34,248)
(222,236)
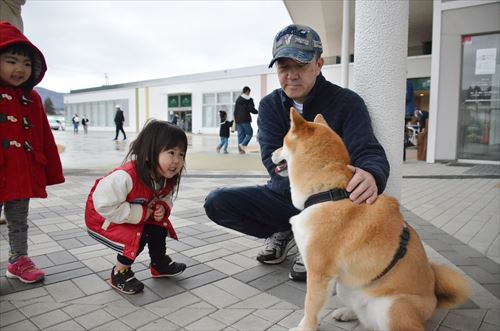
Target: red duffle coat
(29,160)
(117,206)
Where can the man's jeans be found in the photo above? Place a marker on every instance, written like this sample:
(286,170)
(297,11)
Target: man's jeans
(245,133)
(253,210)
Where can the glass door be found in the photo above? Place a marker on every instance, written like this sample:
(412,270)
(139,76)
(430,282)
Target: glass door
(479,114)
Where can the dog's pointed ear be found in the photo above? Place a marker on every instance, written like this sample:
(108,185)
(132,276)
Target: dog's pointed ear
(320,119)
(295,118)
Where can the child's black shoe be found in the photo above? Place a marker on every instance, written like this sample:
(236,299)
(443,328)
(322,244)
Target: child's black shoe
(166,268)
(125,281)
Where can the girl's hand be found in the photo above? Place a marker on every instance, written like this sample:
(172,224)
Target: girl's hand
(159,213)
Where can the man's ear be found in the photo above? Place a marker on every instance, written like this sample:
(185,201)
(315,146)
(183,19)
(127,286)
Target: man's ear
(295,119)
(320,119)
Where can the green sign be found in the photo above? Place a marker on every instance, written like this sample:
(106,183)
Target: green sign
(173,101)
(186,100)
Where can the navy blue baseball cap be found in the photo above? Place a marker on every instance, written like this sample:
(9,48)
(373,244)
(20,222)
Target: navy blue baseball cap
(298,42)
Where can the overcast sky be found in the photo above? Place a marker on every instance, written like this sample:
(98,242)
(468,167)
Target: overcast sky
(138,40)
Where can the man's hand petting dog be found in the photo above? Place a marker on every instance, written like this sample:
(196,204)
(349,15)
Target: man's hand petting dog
(362,186)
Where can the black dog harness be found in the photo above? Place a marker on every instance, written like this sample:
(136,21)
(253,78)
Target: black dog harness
(339,194)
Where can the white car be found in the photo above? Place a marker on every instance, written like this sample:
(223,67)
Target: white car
(56,123)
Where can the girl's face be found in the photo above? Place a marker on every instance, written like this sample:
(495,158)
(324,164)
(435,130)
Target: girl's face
(15,69)
(170,162)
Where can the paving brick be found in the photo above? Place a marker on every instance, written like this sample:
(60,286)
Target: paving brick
(94,319)
(461,322)
(11,317)
(61,257)
(163,287)
(206,323)
(185,316)
(230,316)
(168,305)
(224,266)
(51,318)
(252,322)
(40,308)
(91,284)
(270,280)
(159,324)
(25,325)
(66,275)
(70,243)
(202,279)
(139,318)
(259,301)
(235,287)
(115,325)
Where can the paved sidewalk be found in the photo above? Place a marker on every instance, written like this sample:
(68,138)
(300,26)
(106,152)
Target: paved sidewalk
(454,209)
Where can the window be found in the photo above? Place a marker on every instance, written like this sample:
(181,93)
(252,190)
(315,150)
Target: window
(215,102)
(479,114)
(100,113)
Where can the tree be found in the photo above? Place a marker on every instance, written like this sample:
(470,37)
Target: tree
(49,106)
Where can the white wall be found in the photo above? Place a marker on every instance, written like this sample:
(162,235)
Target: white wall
(418,66)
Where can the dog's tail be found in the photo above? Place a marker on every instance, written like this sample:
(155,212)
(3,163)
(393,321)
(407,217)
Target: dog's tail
(450,287)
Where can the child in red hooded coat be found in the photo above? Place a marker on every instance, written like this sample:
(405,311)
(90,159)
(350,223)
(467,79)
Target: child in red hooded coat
(29,160)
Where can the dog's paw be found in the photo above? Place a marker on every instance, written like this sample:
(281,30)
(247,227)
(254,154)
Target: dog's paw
(344,314)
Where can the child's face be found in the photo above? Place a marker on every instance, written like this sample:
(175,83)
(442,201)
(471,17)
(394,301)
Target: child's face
(15,69)
(170,162)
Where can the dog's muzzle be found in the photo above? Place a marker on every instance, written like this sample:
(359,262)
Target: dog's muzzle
(281,169)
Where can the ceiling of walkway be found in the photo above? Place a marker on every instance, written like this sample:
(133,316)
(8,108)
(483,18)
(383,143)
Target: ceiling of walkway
(325,16)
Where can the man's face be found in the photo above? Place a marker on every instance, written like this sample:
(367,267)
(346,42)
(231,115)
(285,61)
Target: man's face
(297,79)
(15,69)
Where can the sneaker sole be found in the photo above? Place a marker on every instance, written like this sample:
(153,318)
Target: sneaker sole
(11,275)
(164,276)
(283,256)
(122,291)
(297,279)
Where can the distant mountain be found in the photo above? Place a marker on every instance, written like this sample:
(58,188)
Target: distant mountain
(56,97)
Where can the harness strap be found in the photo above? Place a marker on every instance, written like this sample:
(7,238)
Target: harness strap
(400,253)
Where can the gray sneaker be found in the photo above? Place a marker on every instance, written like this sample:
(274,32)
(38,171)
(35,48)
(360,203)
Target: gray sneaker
(298,269)
(277,248)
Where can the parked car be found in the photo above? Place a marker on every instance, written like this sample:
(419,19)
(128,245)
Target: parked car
(56,123)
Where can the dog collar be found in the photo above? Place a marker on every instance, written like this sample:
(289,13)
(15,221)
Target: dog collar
(332,195)
(400,253)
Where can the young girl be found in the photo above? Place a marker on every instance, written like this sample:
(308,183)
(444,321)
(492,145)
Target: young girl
(130,207)
(29,160)
(225,125)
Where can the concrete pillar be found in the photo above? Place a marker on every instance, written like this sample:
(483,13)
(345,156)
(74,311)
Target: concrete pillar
(344,56)
(380,55)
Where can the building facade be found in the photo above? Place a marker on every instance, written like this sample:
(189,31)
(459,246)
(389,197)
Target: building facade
(458,85)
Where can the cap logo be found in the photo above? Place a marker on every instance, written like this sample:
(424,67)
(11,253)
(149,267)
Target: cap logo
(288,38)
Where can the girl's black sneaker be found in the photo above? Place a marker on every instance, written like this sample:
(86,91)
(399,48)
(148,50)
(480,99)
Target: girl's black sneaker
(166,268)
(125,281)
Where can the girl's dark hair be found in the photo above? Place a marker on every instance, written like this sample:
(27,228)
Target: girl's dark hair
(223,115)
(24,50)
(155,137)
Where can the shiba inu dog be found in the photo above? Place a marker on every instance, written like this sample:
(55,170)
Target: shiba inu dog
(380,267)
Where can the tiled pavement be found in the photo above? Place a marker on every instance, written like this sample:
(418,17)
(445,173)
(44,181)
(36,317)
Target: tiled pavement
(224,287)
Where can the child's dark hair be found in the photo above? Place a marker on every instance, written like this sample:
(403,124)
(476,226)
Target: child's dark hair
(223,115)
(155,137)
(24,50)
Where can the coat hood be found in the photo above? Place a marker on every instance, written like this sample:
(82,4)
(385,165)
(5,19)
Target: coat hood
(10,35)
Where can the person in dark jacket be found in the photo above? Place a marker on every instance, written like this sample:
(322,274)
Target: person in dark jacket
(29,159)
(119,120)
(264,211)
(225,125)
(242,108)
